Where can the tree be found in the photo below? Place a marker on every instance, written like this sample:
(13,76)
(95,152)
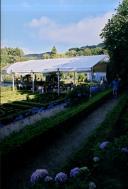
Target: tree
(80,53)
(87,52)
(46,56)
(71,53)
(19,52)
(4,57)
(115,35)
(11,55)
(97,51)
(53,52)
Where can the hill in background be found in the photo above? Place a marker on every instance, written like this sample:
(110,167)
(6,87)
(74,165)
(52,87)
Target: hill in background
(36,56)
(74,51)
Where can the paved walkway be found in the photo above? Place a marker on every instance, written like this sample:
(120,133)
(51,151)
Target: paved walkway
(63,148)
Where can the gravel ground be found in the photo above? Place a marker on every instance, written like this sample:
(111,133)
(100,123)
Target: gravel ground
(63,148)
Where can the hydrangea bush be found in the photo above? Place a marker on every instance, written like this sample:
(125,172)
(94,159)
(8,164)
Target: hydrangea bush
(84,178)
(61,178)
(38,174)
(74,172)
(103,145)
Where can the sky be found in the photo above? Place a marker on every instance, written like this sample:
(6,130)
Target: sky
(38,25)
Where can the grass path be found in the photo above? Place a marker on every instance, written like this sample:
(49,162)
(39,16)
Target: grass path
(59,151)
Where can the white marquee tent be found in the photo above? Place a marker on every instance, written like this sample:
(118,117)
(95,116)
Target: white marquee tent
(74,64)
(82,63)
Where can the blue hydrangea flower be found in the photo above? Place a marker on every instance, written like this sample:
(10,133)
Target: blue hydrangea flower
(61,177)
(38,174)
(74,172)
(103,145)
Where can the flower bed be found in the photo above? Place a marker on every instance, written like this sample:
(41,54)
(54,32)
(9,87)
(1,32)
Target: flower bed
(110,171)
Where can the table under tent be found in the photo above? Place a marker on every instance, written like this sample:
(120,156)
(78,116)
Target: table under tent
(94,66)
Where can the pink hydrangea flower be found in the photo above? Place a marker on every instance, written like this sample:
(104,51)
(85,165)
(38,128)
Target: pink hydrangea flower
(61,177)
(74,172)
(36,175)
(103,145)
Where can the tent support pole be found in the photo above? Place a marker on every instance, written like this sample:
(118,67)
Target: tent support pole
(58,74)
(1,78)
(33,82)
(74,78)
(13,81)
(92,74)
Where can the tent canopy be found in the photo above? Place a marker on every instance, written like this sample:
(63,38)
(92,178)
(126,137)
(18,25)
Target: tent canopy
(76,64)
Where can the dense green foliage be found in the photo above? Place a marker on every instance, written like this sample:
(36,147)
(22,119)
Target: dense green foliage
(72,52)
(86,51)
(115,35)
(11,55)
